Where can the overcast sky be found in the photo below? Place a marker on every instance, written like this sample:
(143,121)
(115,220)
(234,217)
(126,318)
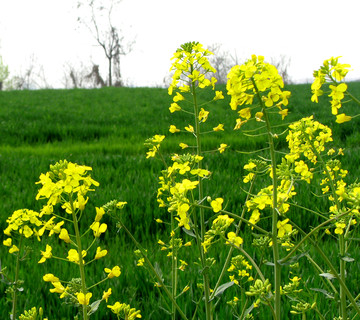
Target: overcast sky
(307,31)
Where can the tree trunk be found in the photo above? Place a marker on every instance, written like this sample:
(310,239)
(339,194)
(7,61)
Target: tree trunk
(110,67)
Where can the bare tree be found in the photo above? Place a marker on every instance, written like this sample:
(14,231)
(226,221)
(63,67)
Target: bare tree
(77,76)
(222,61)
(282,65)
(33,77)
(4,72)
(107,35)
(95,77)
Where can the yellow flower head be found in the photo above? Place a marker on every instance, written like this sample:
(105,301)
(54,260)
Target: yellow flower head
(222,147)
(99,213)
(98,228)
(49,277)
(217,204)
(100,253)
(106,295)
(341,118)
(114,272)
(46,254)
(64,235)
(173,129)
(220,127)
(84,299)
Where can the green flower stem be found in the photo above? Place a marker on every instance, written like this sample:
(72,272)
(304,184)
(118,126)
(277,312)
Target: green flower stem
(307,235)
(202,217)
(342,243)
(152,269)
(228,257)
(327,261)
(173,272)
(14,298)
(309,210)
(275,245)
(352,97)
(96,284)
(342,283)
(79,249)
(253,263)
(326,280)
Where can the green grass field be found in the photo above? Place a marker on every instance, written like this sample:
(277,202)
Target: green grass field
(106,129)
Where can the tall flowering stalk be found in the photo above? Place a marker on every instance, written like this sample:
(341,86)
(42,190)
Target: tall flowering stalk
(181,184)
(22,224)
(67,185)
(333,73)
(190,67)
(260,81)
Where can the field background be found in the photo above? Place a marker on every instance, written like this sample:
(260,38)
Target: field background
(106,129)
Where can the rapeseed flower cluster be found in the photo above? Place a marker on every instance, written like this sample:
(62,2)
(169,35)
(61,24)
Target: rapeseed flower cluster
(124,311)
(219,226)
(256,77)
(22,222)
(333,73)
(67,185)
(307,137)
(177,184)
(190,66)
(240,270)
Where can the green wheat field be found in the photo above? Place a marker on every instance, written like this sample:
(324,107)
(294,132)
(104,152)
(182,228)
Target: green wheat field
(106,129)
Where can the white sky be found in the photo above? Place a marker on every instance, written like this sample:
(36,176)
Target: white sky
(307,31)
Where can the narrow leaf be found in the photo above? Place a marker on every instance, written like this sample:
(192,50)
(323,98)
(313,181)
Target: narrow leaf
(220,290)
(94,306)
(293,259)
(189,232)
(327,275)
(326,293)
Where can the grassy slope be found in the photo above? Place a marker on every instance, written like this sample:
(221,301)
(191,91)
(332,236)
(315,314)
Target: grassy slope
(106,129)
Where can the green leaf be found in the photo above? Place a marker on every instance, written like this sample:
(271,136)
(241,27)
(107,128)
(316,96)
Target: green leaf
(189,232)
(326,293)
(293,259)
(347,258)
(327,275)
(220,290)
(94,306)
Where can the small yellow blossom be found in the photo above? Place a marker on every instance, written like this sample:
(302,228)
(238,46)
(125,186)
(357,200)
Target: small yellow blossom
(98,228)
(339,227)
(233,239)
(203,115)
(174,107)
(84,299)
(49,277)
(114,272)
(218,95)
(121,204)
(217,204)
(106,295)
(14,249)
(220,127)
(341,118)
(7,242)
(64,235)
(46,254)
(100,253)
(73,255)
(222,147)
(99,213)
(173,129)
(183,145)
(190,128)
